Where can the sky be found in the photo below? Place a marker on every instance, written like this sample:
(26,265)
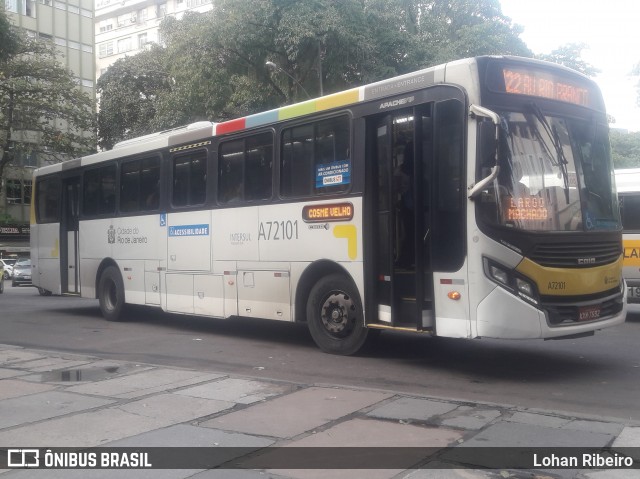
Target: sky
(610,29)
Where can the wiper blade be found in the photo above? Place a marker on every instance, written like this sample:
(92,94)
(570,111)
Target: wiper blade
(561,160)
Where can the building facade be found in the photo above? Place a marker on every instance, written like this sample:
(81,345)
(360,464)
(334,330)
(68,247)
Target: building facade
(126,27)
(70,25)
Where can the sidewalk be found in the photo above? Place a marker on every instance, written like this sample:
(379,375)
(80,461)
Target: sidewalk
(57,400)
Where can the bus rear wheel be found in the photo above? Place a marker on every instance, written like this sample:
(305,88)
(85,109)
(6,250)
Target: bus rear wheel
(335,316)
(111,294)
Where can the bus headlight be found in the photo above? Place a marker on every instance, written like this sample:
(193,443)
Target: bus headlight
(499,275)
(524,287)
(511,280)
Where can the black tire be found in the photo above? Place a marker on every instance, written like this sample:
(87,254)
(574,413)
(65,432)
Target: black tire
(111,294)
(335,316)
(44,292)
(6,275)
(1,286)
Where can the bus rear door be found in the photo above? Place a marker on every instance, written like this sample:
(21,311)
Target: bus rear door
(69,228)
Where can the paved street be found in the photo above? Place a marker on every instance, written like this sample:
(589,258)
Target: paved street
(56,400)
(596,376)
(70,379)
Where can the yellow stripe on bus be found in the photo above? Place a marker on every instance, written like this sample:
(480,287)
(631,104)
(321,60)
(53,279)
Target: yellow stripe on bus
(570,281)
(351,234)
(631,252)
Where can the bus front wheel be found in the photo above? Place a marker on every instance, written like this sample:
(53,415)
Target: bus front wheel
(111,294)
(335,316)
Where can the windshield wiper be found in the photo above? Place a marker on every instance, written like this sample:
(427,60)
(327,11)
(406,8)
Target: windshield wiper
(561,160)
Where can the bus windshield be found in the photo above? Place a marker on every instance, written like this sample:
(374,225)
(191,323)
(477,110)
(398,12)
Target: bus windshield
(555,175)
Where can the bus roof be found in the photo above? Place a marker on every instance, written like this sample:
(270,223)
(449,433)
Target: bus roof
(203,130)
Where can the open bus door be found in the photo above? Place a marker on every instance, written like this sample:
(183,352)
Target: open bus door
(401,251)
(418,199)
(69,237)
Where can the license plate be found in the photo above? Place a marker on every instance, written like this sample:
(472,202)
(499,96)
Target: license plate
(587,313)
(634,292)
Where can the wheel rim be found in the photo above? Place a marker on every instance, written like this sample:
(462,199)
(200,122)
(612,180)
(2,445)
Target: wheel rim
(338,314)
(110,295)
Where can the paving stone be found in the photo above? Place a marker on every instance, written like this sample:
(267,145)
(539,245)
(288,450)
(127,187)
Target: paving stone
(241,391)
(611,474)
(511,434)
(10,373)
(143,383)
(446,473)
(51,363)
(538,419)
(46,405)
(237,474)
(473,419)
(506,436)
(174,436)
(295,413)
(412,408)
(369,433)
(175,407)
(13,388)
(15,356)
(595,426)
(629,438)
(86,429)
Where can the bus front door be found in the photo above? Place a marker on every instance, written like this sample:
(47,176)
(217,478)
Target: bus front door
(69,245)
(401,249)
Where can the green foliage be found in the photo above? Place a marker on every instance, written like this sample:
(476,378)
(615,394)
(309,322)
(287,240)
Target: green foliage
(42,109)
(216,60)
(625,149)
(129,91)
(569,55)
(8,37)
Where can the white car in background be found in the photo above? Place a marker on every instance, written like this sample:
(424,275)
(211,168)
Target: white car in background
(8,267)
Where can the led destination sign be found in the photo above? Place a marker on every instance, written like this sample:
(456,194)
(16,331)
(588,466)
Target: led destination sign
(520,81)
(528,208)
(332,212)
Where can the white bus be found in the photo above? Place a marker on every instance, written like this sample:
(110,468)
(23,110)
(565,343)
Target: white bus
(628,185)
(396,205)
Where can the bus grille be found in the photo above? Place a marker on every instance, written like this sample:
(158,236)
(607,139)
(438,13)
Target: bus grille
(576,255)
(561,315)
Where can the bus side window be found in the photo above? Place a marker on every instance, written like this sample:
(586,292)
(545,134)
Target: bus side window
(315,158)
(258,167)
(48,200)
(297,156)
(189,179)
(630,212)
(230,171)
(150,184)
(129,189)
(99,191)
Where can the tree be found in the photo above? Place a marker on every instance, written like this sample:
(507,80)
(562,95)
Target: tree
(8,40)
(625,149)
(449,30)
(42,109)
(216,60)
(129,92)
(570,55)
